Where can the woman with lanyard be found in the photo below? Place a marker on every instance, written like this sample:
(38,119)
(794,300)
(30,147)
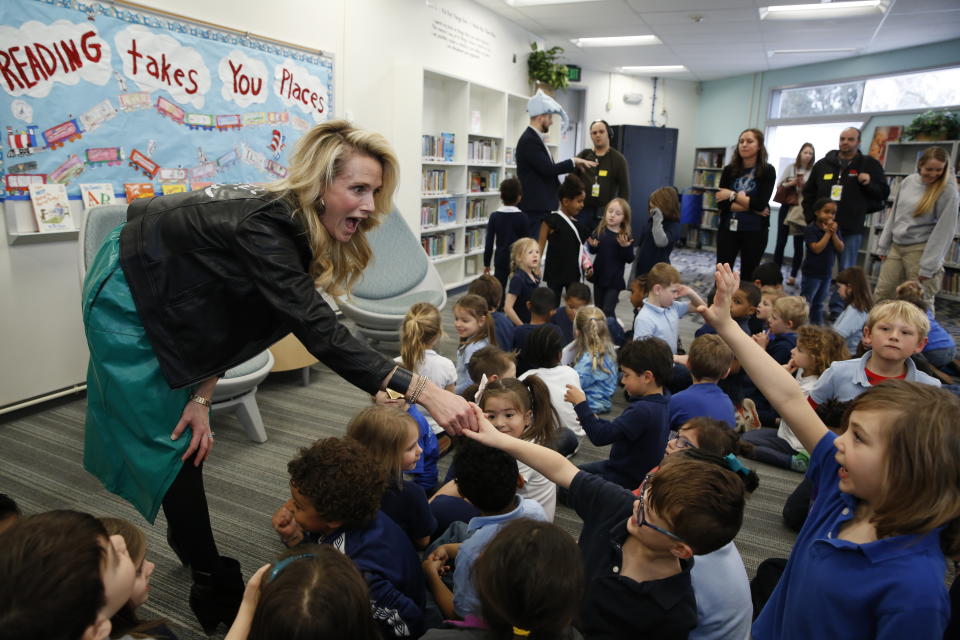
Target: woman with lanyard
(196,283)
(920,230)
(743,200)
(607,180)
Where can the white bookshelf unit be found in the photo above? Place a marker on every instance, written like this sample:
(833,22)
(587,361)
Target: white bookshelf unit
(900,162)
(460,186)
(707,167)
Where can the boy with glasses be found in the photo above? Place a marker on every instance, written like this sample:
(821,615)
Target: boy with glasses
(638,552)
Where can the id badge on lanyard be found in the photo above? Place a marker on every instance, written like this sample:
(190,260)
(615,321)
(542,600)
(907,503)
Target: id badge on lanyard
(595,189)
(733,222)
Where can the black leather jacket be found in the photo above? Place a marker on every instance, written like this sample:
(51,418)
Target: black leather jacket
(220,274)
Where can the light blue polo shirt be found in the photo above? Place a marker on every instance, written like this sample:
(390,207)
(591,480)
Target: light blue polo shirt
(481,530)
(660,322)
(847,379)
(888,589)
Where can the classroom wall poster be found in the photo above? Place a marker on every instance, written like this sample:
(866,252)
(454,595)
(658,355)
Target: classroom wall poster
(95,92)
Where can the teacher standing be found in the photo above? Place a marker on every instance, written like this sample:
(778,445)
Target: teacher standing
(609,179)
(536,170)
(743,200)
(196,283)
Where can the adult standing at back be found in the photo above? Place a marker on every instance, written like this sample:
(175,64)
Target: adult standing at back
(743,199)
(918,233)
(857,184)
(536,170)
(606,181)
(791,185)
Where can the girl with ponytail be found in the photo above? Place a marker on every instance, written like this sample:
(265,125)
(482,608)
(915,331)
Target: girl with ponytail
(522,409)
(419,333)
(594,357)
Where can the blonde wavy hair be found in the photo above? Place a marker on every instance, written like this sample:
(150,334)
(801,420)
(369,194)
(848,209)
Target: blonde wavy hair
(518,249)
(421,327)
(318,159)
(934,189)
(593,338)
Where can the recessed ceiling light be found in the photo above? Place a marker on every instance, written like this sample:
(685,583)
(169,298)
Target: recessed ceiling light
(534,3)
(782,52)
(616,41)
(667,68)
(822,10)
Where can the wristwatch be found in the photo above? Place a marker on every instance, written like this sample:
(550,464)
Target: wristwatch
(733,196)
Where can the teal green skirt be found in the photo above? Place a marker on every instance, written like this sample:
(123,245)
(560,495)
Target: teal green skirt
(131,410)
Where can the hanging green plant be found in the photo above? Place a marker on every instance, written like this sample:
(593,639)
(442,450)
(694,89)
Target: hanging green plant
(934,125)
(543,67)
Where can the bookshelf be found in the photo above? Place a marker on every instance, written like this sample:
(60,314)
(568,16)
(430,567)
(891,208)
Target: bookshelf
(707,167)
(468,135)
(900,162)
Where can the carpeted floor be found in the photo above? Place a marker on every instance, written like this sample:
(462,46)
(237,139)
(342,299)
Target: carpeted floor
(41,467)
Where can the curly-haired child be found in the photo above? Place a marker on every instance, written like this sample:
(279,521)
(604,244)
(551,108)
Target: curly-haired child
(335,489)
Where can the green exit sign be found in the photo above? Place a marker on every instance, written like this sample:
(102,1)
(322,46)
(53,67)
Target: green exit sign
(573,73)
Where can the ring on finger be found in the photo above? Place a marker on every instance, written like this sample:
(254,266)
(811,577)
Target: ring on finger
(211,435)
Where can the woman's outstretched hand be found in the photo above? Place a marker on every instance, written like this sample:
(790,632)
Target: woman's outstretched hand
(451,412)
(718,314)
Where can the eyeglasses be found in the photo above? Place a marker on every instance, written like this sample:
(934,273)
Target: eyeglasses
(681,441)
(643,521)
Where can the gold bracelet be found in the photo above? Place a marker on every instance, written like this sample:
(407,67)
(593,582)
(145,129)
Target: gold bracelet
(199,400)
(421,383)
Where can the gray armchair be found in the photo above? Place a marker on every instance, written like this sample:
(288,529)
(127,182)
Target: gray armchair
(399,275)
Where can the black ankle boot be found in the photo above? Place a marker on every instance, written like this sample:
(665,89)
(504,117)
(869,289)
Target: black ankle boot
(215,597)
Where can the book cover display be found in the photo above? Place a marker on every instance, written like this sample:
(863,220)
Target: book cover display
(97,194)
(51,208)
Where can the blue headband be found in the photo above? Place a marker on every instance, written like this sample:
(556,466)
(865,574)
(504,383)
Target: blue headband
(734,465)
(283,564)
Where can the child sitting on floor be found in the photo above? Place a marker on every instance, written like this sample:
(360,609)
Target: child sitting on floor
(529,580)
(313,592)
(336,490)
(490,289)
(488,478)
(594,358)
(637,551)
(709,362)
(62,576)
(887,509)
(640,433)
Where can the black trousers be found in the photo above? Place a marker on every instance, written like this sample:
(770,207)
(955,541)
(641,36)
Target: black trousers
(783,233)
(749,245)
(188,519)
(606,299)
(557,288)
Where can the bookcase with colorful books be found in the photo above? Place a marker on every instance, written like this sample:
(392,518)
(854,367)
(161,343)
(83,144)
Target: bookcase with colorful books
(707,167)
(900,162)
(468,138)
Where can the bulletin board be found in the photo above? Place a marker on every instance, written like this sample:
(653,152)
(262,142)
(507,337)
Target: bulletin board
(108,93)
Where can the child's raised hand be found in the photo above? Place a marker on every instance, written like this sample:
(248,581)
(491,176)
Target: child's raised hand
(574,395)
(718,314)
(761,339)
(683,291)
(486,433)
(593,242)
(624,239)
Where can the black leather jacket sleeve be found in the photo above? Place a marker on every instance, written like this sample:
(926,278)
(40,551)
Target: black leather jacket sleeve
(276,272)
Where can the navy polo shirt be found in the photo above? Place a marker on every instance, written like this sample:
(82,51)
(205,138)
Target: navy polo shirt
(522,285)
(407,506)
(701,399)
(780,346)
(638,435)
(615,606)
(503,329)
(817,265)
(833,588)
